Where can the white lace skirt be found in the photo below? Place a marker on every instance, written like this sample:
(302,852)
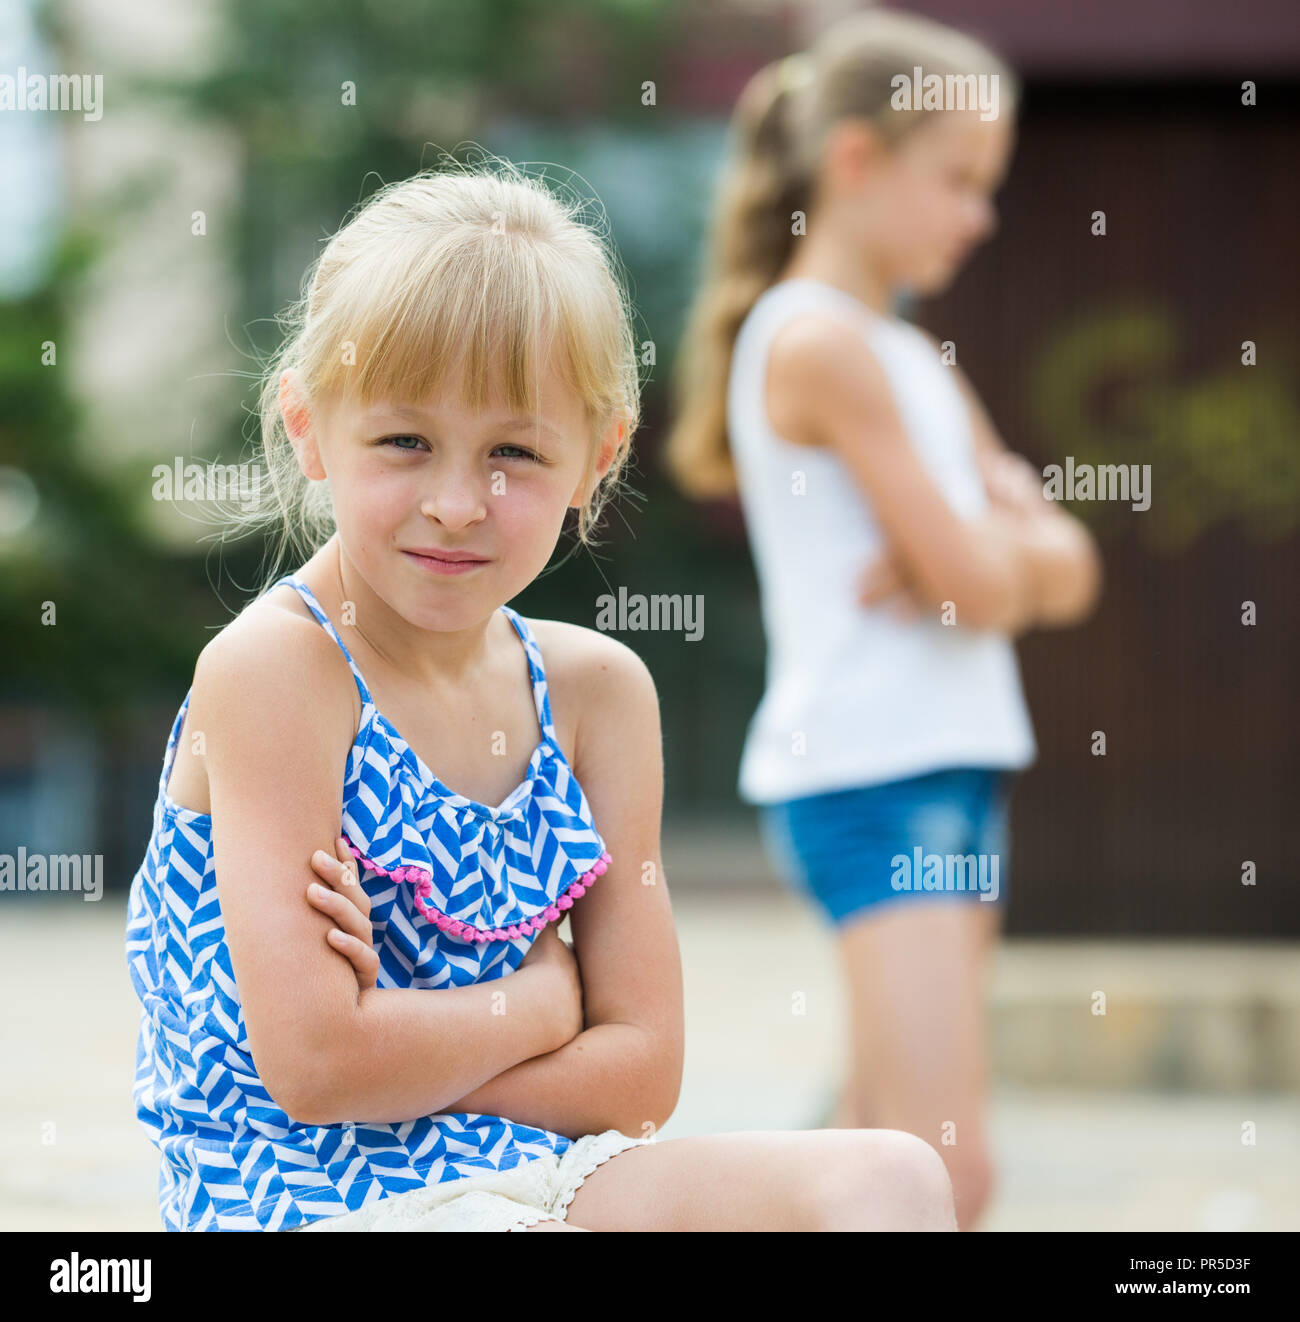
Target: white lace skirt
(540,1189)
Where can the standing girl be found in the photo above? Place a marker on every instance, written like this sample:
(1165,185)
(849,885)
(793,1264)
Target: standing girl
(897,545)
(421,1050)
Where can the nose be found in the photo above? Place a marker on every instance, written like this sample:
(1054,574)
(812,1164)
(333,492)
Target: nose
(455,501)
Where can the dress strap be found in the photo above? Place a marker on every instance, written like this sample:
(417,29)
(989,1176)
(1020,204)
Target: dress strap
(309,597)
(537,670)
(173,743)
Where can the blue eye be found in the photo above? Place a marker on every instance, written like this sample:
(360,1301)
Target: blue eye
(394,442)
(526,454)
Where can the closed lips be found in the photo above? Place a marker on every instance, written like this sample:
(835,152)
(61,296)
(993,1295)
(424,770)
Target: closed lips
(449,557)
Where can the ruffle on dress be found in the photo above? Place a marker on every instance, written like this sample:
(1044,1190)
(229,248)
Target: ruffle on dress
(477,873)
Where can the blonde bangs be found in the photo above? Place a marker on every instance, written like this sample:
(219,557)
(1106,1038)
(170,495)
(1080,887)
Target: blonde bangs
(482,314)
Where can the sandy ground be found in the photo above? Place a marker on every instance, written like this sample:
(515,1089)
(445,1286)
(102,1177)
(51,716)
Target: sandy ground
(72,1155)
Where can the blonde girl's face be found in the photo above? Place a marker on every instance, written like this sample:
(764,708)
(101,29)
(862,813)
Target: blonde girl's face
(935,203)
(413,480)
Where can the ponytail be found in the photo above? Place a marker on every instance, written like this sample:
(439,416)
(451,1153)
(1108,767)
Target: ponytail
(752,239)
(779,129)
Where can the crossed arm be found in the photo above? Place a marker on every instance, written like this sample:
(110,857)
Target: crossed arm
(623,1069)
(1023,562)
(1063,566)
(330,1049)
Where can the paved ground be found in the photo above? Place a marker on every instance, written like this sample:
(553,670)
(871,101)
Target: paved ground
(73,1157)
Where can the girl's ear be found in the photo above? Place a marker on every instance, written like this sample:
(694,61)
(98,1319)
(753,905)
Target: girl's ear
(298,426)
(854,148)
(610,445)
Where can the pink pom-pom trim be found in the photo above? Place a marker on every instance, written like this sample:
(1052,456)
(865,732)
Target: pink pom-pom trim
(423,883)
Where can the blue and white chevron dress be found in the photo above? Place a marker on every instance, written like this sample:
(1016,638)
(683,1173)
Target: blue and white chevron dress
(458,891)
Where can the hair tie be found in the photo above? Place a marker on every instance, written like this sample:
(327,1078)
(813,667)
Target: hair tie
(794,71)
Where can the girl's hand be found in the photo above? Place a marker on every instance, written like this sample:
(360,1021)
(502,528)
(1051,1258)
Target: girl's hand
(882,581)
(340,896)
(1012,482)
(551,953)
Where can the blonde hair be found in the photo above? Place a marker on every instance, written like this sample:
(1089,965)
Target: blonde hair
(778,130)
(480,270)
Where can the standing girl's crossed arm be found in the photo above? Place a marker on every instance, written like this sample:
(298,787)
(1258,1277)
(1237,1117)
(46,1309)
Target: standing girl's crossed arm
(1003,570)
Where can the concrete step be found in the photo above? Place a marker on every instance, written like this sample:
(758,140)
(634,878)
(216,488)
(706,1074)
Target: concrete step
(1206,1016)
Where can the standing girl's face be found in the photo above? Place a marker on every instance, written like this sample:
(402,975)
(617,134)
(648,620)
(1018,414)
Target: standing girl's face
(410,480)
(930,204)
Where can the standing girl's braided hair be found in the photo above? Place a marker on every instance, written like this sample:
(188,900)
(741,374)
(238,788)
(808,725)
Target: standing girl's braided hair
(779,130)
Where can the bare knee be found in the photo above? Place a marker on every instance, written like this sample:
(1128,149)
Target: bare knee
(882,1179)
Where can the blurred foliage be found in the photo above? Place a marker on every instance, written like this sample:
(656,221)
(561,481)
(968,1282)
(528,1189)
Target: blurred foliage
(78,598)
(1110,386)
(422,75)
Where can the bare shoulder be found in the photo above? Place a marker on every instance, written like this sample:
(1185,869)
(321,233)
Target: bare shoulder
(597,683)
(820,342)
(272,662)
(587,661)
(821,370)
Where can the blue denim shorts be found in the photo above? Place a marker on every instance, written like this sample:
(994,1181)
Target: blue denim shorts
(941,836)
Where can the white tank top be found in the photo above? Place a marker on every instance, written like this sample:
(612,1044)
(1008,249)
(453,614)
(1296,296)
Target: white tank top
(855,696)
